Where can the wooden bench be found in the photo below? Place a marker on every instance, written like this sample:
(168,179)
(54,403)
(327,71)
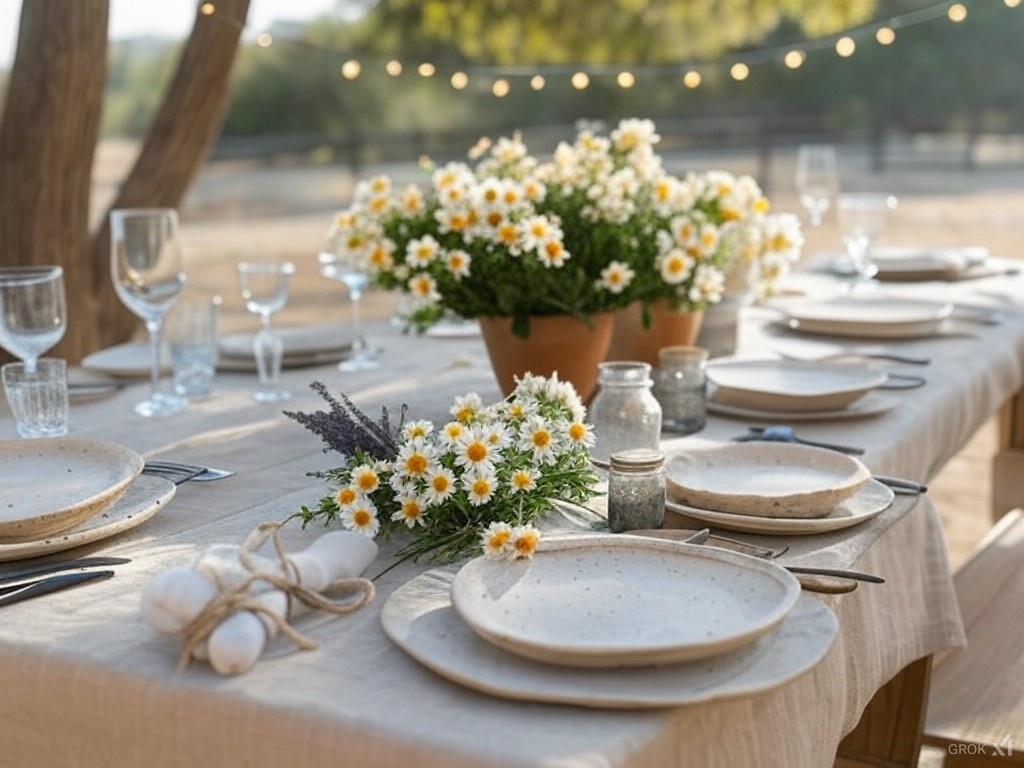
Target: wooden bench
(976,703)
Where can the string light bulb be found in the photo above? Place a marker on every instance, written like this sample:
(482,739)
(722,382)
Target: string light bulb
(845,46)
(426,69)
(794,59)
(692,79)
(626,80)
(207,9)
(739,71)
(957,12)
(537,82)
(350,69)
(265,40)
(885,36)
(501,88)
(393,68)
(459,80)
(1012,3)
(580,80)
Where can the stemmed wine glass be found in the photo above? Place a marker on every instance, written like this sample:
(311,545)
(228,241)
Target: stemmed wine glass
(149,276)
(264,287)
(33,311)
(817,180)
(348,269)
(861,220)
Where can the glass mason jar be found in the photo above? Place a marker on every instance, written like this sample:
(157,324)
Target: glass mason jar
(624,412)
(680,386)
(636,490)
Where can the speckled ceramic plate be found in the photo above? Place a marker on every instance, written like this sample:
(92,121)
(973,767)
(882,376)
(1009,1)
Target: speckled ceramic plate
(623,601)
(419,619)
(764,479)
(871,404)
(51,484)
(872,499)
(146,496)
(874,317)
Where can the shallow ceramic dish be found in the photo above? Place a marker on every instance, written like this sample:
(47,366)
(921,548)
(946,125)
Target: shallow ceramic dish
(791,385)
(51,484)
(764,479)
(146,496)
(871,404)
(873,317)
(623,601)
(872,499)
(419,619)
(131,360)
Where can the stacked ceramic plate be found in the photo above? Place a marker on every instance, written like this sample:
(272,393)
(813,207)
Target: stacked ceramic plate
(909,264)
(303,347)
(612,621)
(870,317)
(57,493)
(788,389)
(779,488)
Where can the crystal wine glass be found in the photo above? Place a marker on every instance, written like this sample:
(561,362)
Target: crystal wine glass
(33,311)
(264,287)
(348,269)
(817,180)
(149,276)
(862,220)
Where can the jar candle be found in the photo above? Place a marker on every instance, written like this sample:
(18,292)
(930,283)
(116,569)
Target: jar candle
(636,490)
(624,412)
(680,386)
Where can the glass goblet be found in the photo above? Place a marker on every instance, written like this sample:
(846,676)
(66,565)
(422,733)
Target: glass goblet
(817,180)
(264,287)
(149,275)
(33,311)
(861,220)
(348,270)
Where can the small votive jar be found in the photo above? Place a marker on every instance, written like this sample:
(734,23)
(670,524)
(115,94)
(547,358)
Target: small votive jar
(624,412)
(680,386)
(636,490)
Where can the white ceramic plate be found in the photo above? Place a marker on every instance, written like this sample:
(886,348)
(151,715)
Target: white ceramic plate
(618,601)
(901,263)
(51,484)
(872,317)
(764,479)
(143,499)
(419,619)
(872,499)
(303,346)
(131,360)
(791,385)
(871,404)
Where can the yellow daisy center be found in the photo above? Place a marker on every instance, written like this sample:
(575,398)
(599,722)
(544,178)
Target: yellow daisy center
(498,539)
(481,487)
(541,438)
(476,451)
(345,496)
(440,483)
(362,517)
(416,464)
(577,431)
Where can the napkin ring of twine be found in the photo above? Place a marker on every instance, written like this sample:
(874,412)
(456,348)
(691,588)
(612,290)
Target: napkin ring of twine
(288,581)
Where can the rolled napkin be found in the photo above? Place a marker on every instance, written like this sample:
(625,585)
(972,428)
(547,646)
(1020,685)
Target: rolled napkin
(230,601)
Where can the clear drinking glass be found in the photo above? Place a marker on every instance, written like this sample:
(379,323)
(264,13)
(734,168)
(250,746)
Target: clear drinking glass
(861,221)
(38,397)
(349,270)
(264,287)
(149,276)
(33,311)
(817,179)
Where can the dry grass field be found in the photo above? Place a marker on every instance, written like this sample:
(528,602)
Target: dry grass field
(254,210)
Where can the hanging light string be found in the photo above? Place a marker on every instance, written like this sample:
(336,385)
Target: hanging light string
(738,65)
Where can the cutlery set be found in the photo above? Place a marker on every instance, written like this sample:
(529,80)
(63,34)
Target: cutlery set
(23,584)
(180,472)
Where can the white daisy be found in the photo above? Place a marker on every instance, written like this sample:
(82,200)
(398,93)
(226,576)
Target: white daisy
(675,266)
(365,479)
(580,434)
(451,433)
(537,436)
(421,251)
(458,262)
(522,480)
(480,486)
(616,277)
(524,541)
(414,460)
(441,484)
(361,517)
(474,451)
(410,511)
(466,407)
(417,430)
(424,288)
(496,540)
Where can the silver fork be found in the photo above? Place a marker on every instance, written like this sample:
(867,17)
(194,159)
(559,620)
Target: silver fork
(179,472)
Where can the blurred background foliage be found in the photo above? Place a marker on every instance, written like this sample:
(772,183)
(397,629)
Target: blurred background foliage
(938,76)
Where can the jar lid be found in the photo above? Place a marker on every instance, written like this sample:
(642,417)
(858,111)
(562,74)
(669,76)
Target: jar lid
(637,460)
(624,373)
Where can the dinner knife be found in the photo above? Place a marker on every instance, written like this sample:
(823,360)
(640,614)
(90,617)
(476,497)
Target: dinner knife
(16,593)
(64,565)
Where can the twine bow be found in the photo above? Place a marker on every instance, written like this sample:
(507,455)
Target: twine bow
(228,602)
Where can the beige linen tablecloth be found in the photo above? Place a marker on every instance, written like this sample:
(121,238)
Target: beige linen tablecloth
(86,683)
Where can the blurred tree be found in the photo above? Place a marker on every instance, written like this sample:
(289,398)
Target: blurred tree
(48,136)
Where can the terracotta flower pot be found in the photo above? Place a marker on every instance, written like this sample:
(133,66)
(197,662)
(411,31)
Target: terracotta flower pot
(559,343)
(669,328)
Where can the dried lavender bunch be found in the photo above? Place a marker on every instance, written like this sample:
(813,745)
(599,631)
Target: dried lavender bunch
(346,429)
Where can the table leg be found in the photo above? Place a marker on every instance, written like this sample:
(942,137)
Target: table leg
(1008,465)
(890,729)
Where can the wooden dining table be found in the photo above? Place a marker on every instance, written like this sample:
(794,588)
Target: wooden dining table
(88,683)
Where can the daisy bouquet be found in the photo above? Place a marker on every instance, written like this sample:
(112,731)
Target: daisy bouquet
(594,228)
(479,480)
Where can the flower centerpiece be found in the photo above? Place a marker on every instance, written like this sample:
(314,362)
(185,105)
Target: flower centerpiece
(482,478)
(596,228)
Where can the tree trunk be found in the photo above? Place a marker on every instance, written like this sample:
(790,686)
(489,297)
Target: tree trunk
(47,141)
(179,140)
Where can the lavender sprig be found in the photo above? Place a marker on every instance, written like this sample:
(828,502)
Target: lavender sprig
(346,429)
